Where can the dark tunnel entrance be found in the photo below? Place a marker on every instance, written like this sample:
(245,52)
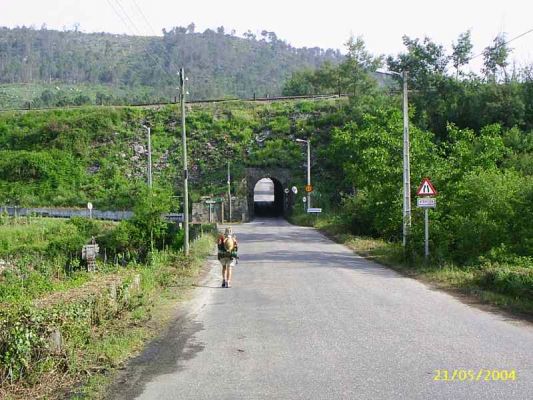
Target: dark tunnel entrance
(268,198)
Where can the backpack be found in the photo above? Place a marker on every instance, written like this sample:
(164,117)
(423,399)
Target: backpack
(229,244)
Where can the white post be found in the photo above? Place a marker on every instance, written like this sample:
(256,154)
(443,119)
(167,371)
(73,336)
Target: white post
(426,233)
(229,193)
(149,158)
(406,167)
(185,172)
(308,172)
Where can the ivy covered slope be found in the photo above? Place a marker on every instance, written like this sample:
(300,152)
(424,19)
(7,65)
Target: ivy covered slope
(69,157)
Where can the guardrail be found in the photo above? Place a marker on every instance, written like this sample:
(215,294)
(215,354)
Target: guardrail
(78,212)
(66,213)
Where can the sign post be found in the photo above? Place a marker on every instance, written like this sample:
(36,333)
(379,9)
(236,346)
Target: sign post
(426,202)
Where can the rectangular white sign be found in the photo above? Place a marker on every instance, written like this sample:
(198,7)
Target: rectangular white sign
(314,210)
(426,202)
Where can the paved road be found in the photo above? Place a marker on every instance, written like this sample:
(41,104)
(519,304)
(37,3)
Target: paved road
(307,319)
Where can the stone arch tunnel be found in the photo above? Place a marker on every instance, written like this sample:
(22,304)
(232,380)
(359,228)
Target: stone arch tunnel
(258,181)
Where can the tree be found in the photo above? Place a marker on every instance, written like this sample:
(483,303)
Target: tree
(495,58)
(358,63)
(423,60)
(462,51)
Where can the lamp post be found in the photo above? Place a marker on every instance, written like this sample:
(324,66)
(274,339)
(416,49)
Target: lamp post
(406,163)
(308,168)
(149,157)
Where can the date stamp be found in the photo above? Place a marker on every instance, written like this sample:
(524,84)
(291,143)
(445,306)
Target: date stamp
(475,375)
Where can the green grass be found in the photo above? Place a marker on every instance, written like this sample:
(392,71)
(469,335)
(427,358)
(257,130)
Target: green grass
(32,248)
(26,234)
(20,95)
(98,338)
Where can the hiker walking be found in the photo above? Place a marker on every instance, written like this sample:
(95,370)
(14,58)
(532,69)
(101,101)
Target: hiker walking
(227,255)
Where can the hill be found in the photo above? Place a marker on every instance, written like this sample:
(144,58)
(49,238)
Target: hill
(47,67)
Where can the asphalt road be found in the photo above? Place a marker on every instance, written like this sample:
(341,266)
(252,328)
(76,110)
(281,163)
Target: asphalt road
(308,319)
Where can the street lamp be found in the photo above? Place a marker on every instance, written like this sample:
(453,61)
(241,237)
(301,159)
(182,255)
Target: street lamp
(308,168)
(149,157)
(406,166)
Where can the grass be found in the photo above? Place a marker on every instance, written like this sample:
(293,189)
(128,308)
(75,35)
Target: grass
(98,335)
(127,337)
(506,284)
(32,267)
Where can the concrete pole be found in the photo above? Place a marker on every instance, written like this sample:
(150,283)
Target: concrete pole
(426,233)
(406,167)
(229,191)
(149,158)
(308,172)
(185,172)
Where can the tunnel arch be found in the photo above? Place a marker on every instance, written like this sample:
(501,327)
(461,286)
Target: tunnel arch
(268,198)
(283,176)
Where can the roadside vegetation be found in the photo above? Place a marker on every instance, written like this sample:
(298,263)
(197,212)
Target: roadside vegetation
(61,326)
(502,281)
(472,135)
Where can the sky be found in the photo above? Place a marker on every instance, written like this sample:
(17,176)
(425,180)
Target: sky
(309,23)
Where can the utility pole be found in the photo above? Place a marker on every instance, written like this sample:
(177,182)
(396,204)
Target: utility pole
(149,157)
(229,192)
(185,172)
(406,167)
(150,181)
(308,141)
(308,172)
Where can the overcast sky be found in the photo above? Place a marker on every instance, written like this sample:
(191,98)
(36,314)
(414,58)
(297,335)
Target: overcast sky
(326,23)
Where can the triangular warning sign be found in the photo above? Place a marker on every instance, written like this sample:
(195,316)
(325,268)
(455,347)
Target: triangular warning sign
(426,188)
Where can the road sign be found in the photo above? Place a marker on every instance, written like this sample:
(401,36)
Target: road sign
(426,188)
(175,217)
(89,206)
(286,190)
(294,190)
(314,210)
(304,199)
(426,202)
(210,202)
(308,188)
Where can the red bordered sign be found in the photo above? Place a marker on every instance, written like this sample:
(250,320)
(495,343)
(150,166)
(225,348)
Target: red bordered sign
(426,188)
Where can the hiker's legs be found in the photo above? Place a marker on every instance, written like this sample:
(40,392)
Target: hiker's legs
(229,271)
(224,268)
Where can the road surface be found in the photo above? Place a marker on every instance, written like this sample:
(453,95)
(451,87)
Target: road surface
(308,319)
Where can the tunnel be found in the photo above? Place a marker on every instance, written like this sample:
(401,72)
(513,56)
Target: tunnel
(268,198)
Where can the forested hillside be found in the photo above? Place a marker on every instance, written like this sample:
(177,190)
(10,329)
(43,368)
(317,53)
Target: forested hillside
(71,67)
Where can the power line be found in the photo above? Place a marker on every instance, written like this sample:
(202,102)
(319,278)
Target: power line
(118,2)
(144,17)
(121,16)
(503,44)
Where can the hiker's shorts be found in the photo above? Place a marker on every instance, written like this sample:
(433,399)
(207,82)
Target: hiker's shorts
(228,262)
